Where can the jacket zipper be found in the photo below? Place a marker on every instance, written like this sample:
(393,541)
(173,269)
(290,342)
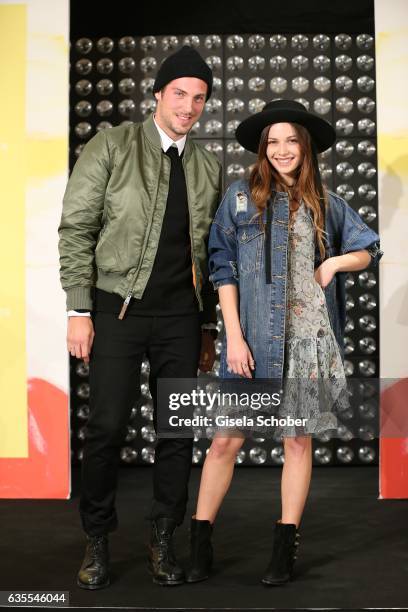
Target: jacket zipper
(191,240)
(126,302)
(125,305)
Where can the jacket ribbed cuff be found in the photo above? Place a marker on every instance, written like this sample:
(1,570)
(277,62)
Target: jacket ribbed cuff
(79,298)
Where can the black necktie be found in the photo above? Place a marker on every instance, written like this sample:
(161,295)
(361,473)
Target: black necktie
(173,153)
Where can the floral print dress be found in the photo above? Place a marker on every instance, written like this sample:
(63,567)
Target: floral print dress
(314,386)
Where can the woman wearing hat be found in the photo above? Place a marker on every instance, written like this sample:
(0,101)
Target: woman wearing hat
(279,246)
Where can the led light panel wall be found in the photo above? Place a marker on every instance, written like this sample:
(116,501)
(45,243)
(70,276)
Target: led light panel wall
(333,76)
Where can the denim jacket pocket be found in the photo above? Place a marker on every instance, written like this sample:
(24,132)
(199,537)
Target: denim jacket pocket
(250,244)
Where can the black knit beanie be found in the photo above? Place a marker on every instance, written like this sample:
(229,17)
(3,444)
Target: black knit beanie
(186,62)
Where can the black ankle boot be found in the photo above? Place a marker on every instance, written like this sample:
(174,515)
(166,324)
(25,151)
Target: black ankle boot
(94,572)
(201,551)
(285,545)
(162,562)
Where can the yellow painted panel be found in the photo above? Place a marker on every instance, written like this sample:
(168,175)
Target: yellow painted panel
(13,369)
(393,153)
(46,156)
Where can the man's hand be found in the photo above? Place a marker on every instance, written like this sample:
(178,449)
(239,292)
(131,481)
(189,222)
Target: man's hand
(207,356)
(80,336)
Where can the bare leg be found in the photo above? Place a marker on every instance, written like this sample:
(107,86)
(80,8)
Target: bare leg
(216,476)
(296,476)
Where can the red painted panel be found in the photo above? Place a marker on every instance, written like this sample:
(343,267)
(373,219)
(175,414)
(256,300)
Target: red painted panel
(393,442)
(46,471)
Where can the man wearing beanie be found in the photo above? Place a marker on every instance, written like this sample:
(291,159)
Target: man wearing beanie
(133,235)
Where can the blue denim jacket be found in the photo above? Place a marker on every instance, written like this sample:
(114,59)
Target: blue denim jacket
(237,256)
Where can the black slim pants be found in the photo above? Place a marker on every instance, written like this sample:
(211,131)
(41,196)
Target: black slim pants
(172,344)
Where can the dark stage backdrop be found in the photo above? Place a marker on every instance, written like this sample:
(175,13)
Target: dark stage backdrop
(317,52)
(94,18)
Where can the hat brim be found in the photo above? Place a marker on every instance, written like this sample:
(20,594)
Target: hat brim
(248,133)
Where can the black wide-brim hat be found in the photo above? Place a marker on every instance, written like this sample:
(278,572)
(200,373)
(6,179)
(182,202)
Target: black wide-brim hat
(248,133)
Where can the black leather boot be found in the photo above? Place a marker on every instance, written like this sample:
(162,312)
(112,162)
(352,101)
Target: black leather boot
(94,572)
(280,568)
(201,551)
(162,562)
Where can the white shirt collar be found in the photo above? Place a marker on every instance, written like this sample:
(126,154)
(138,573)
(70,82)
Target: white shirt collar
(167,142)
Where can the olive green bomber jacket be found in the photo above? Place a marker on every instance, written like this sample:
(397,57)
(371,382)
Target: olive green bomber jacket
(113,210)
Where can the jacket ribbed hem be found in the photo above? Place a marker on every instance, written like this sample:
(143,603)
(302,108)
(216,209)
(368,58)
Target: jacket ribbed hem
(79,298)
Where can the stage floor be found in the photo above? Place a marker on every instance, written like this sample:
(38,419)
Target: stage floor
(353,553)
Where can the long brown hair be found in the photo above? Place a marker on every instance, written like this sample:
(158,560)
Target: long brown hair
(308,184)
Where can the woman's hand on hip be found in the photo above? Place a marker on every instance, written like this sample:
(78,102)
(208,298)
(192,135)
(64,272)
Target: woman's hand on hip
(326,271)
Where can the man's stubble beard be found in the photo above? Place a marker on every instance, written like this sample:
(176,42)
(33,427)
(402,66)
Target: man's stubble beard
(179,131)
